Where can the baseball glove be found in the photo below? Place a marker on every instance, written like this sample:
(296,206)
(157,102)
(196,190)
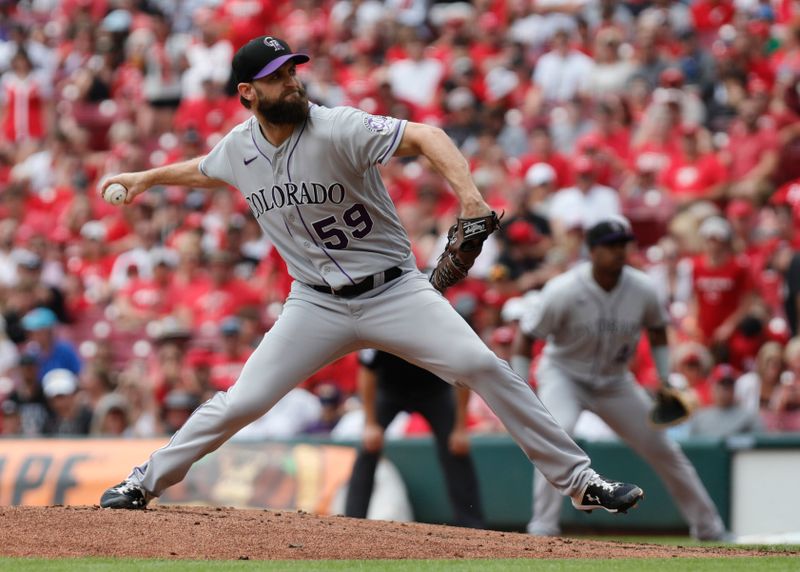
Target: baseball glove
(672,406)
(464,243)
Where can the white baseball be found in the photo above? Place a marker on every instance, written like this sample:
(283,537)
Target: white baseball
(115,194)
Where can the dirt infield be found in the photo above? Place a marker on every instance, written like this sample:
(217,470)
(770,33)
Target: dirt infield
(230,534)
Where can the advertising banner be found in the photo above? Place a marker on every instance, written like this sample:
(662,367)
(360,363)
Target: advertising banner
(256,475)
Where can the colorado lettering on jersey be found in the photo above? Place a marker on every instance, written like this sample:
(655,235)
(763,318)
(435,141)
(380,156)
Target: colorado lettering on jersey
(291,194)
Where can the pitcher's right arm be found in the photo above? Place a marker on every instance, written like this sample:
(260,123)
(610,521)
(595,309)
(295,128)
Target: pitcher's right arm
(183,174)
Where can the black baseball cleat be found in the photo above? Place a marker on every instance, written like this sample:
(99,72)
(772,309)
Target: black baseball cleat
(608,495)
(127,494)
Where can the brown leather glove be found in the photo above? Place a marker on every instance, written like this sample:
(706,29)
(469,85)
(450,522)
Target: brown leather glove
(464,243)
(672,406)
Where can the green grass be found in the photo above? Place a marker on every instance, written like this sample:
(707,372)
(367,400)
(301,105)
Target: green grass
(769,563)
(688,541)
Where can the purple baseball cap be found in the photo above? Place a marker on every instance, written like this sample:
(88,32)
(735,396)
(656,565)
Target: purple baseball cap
(261,56)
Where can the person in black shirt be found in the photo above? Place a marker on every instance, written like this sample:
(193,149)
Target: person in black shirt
(389,385)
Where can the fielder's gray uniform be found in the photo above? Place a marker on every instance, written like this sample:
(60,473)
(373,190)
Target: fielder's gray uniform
(591,335)
(320,199)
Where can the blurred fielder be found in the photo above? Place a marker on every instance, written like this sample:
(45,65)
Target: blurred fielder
(592,317)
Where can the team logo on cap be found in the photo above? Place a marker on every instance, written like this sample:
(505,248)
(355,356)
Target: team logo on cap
(379,124)
(273,43)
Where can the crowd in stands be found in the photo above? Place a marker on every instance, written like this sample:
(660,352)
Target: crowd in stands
(682,116)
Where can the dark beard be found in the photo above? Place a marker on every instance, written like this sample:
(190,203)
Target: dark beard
(285,112)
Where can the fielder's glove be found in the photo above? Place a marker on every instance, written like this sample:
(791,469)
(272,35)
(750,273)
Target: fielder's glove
(464,243)
(672,406)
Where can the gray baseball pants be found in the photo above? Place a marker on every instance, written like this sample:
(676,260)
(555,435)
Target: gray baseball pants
(406,317)
(624,405)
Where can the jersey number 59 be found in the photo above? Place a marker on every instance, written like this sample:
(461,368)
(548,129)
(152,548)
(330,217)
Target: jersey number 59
(356,218)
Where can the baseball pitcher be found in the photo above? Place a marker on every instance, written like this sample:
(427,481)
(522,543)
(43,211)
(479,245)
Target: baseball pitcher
(310,177)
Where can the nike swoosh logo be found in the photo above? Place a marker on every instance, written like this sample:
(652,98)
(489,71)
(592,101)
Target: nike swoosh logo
(248,161)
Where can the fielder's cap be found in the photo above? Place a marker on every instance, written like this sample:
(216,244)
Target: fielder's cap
(59,382)
(610,231)
(539,174)
(261,56)
(715,227)
(39,319)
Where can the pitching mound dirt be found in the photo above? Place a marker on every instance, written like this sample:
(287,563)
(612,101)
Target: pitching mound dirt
(230,534)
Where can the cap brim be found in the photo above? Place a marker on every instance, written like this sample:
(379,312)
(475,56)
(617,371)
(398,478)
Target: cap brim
(278,62)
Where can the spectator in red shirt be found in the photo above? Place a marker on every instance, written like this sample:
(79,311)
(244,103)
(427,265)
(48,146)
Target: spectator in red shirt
(223,295)
(205,113)
(342,373)
(608,166)
(93,265)
(542,151)
(694,174)
(143,300)
(24,93)
(612,119)
(752,153)
(246,18)
(710,15)
(722,284)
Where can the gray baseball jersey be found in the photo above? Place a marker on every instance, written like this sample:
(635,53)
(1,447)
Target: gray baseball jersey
(592,334)
(319,196)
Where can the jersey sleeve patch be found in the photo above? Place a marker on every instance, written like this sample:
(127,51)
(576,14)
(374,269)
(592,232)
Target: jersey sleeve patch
(379,124)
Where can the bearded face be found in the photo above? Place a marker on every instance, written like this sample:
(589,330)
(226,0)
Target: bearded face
(289,109)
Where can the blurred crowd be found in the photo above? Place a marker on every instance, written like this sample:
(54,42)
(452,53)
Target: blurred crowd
(682,116)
